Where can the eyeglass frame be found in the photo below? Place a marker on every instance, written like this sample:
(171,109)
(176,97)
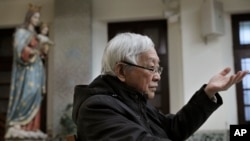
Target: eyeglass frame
(153,70)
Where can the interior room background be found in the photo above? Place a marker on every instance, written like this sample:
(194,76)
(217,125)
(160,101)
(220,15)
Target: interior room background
(79,29)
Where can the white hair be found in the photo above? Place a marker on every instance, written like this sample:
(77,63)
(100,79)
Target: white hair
(124,47)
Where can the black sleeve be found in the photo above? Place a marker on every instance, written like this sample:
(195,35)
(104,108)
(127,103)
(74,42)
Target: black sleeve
(186,121)
(101,119)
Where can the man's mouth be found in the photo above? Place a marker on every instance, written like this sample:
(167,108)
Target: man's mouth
(153,88)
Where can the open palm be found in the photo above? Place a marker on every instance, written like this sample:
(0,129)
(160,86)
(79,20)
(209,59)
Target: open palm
(222,81)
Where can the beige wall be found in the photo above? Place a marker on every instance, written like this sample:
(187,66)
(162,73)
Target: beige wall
(203,59)
(12,12)
(71,57)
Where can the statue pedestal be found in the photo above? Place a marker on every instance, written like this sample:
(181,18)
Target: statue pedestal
(15,133)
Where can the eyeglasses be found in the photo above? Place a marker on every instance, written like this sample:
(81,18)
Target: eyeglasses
(153,70)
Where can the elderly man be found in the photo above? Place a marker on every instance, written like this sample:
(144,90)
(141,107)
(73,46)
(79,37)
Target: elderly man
(114,106)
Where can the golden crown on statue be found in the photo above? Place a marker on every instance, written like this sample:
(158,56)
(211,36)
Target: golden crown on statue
(34,8)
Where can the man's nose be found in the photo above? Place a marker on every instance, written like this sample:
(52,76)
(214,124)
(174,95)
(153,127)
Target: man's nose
(157,77)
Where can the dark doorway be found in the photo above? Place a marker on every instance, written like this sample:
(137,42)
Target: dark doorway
(6,55)
(157,31)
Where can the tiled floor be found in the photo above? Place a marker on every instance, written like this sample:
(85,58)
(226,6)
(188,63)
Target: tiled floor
(25,140)
(215,135)
(48,139)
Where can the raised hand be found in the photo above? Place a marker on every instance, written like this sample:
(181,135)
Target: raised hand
(222,81)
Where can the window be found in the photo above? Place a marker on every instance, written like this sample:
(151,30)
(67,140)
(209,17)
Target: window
(244,32)
(245,64)
(241,46)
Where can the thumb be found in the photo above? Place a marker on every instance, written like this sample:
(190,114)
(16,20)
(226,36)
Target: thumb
(225,71)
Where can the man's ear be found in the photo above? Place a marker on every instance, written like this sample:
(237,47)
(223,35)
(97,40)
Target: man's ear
(119,71)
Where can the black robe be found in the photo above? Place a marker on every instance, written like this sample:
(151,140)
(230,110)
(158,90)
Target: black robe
(109,110)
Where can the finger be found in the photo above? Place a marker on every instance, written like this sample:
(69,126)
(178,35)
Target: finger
(228,83)
(240,75)
(225,71)
(231,81)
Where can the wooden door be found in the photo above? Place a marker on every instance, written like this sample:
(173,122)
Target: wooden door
(6,56)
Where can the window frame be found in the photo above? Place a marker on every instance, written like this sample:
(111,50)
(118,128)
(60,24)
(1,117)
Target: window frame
(240,51)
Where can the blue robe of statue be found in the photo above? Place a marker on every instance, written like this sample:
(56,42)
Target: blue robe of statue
(27,82)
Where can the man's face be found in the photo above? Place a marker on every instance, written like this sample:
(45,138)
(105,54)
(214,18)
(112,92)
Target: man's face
(141,79)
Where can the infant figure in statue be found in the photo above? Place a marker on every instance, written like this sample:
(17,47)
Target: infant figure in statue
(44,42)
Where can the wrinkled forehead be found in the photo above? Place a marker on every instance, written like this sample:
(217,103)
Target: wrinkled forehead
(149,56)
